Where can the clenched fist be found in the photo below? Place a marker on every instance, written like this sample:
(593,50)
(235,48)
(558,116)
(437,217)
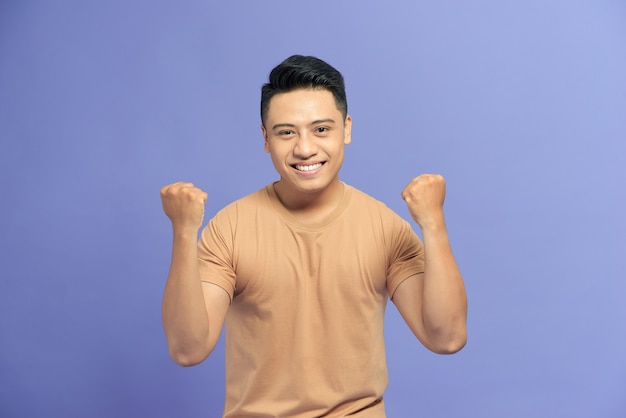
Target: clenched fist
(184,203)
(424,196)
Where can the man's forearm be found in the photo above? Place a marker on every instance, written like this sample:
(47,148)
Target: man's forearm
(185,318)
(444,297)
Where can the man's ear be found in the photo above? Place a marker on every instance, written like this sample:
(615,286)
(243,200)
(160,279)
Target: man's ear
(347,130)
(266,145)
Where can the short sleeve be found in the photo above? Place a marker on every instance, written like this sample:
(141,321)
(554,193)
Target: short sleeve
(215,254)
(406,256)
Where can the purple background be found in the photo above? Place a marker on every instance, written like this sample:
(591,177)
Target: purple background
(520,105)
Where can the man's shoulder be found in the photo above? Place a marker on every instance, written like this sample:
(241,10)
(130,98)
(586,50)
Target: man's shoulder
(253,198)
(366,205)
(251,201)
(361,198)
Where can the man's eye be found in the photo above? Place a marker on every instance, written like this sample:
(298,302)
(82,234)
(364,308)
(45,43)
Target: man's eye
(285,132)
(321,129)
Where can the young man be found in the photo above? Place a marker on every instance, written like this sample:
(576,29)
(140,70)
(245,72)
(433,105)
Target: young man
(301,270)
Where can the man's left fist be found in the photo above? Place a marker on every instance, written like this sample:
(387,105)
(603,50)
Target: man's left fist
(424,196)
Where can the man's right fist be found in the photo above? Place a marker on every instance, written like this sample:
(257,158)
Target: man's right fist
(184,203)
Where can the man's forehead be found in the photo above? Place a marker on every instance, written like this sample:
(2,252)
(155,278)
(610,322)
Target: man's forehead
(303,101)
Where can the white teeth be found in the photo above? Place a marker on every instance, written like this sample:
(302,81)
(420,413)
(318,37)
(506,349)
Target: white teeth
(308,167)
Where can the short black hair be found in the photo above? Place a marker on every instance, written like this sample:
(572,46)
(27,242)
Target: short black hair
(304,72)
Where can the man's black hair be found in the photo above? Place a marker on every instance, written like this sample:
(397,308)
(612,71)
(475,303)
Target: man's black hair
(304,72)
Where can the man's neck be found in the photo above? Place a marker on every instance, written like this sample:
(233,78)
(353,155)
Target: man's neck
(310,206)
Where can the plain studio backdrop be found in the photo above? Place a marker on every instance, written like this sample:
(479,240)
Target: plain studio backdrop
(521,105)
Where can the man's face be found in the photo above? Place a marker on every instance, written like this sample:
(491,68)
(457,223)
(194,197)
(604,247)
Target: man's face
(305,135)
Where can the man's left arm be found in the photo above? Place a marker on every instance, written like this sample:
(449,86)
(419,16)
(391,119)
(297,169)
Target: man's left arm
(433,304)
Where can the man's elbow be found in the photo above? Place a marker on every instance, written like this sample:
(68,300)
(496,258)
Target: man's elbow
(451,347)
(188,358)
(450,343)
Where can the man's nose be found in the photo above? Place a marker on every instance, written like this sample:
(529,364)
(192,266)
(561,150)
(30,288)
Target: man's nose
(305,146)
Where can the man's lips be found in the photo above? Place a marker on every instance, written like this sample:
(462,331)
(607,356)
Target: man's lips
(307,167)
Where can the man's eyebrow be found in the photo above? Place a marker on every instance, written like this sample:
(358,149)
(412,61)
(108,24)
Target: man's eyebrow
(317,122)
(291,125)
(283,125)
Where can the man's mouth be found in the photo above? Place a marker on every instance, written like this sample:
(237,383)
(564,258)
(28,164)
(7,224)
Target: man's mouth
(308,167)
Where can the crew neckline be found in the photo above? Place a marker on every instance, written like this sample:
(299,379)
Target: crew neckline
(284,213)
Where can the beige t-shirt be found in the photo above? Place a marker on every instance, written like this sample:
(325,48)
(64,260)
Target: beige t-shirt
(304,332)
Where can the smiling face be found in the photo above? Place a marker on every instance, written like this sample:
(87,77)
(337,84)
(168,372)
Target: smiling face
(305,134)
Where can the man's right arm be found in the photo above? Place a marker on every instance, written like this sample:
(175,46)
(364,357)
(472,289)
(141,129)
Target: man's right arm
(193,312)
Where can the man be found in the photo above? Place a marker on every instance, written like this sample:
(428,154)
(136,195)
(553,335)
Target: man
(301,270)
